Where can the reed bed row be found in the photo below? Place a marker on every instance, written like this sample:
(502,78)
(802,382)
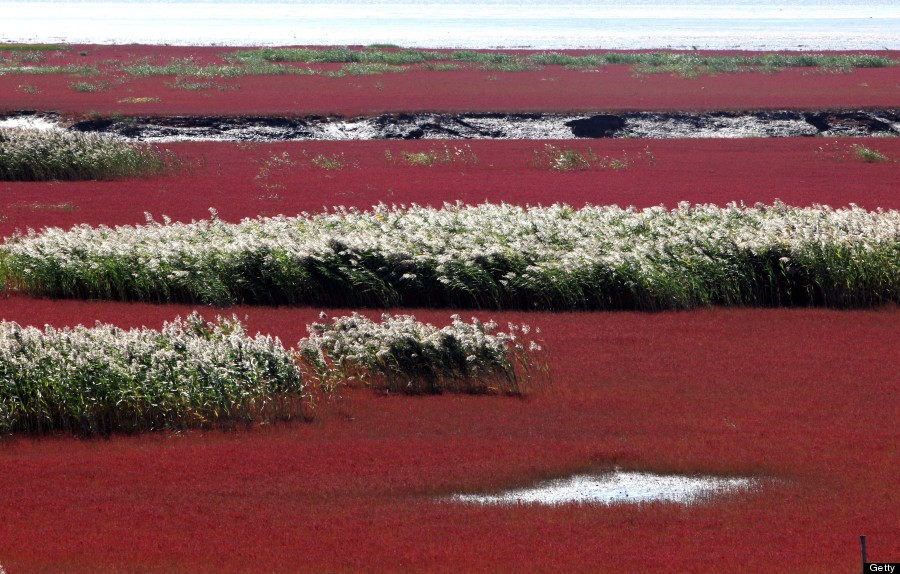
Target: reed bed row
(42,155)
(195,373)
(484,256)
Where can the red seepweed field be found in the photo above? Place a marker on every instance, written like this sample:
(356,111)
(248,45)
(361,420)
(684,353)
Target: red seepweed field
(550,88)
(804,399)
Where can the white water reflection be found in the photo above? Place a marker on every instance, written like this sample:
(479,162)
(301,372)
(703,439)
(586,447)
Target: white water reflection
(29,122)
(616,487)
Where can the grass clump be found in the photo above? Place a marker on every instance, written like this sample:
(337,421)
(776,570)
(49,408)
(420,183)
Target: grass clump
(557,59)
(428,158)
(89,87)
(36,155)
(104,379)
(560,158)
(855,152)
(274,171)
(73,70)
(140,100)
(868,155)
(442,67)
(402,355)
(182,83)
(370,69)
(483,57)
(486,256)
(513,66)
(329,162)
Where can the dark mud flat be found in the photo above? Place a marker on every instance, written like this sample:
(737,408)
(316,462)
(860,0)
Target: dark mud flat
(650,125)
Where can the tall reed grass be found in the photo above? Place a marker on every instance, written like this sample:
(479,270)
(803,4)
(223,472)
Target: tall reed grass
(41,155)
(104,379)
(402,355)
(195,373)
(489,256)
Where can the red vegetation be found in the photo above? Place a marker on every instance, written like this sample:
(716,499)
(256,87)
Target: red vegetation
(804,397)
(231,178)
(553,88)
(800,396)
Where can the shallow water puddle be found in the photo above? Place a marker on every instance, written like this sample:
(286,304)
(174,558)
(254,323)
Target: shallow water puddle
(616,487)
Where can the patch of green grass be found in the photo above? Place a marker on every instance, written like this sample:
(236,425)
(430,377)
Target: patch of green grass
(840,151)
(182,83)
(425,158)
(187,67)
(70,69)
(140,100)
(329,162)
(89,87)
(691,65)
(483,57)
(176,67)
(273,170)
(513,66)
(694,64)
(370,69)
(868,155)
(561,158)
(442,67)
(31,57)
(4,47)
(334,55)
(557,59)
(385,58)
(428,158)
(398,57)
